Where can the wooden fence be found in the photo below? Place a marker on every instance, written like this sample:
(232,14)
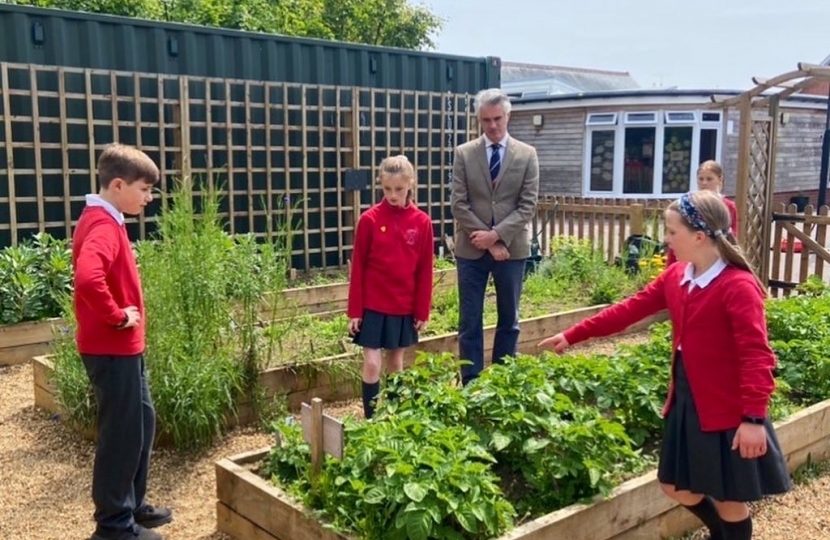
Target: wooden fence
(606,223)
(798,247)
(297,151)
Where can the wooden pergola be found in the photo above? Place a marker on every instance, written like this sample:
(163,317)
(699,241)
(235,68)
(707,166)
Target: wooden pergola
(758,132)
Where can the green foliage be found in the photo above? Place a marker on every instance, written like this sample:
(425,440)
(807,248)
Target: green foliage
(34,277)
(557,450)
(576,270)
(289,460)
(391,23)
(799,333)
(69,377)
(417,470)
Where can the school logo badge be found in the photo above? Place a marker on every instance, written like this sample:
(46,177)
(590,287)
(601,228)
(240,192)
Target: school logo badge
(411,236)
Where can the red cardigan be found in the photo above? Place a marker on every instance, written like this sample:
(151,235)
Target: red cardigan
(733,215)
(723,335)
(106,282)
(392,262)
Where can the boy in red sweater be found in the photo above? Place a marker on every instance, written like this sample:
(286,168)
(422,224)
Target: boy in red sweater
(719,448)
(110,337)
(390,287)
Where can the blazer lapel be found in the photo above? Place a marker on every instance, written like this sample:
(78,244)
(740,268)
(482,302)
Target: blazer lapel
(509,154)
(481,157)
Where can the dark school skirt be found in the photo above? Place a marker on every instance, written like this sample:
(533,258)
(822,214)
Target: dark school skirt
(379,331)
(704,462)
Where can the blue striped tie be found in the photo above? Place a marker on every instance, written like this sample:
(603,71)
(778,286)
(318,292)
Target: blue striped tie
(495,161)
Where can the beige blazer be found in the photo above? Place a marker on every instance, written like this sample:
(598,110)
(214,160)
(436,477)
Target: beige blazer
(510,200)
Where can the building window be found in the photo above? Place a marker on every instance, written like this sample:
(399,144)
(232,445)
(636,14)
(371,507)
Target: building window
(602,161)
(647,154)
(677,159)
(638,172)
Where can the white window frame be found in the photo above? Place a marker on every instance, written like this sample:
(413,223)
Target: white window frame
(650,120)
(671,117)
(661,119)
(598,119)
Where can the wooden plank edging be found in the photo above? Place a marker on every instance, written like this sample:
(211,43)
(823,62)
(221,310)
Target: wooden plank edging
(332,297)
(20,342)
(637,509)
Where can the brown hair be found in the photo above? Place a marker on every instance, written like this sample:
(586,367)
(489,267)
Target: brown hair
(399,165)
(127,163)
(710,208)
(711,165)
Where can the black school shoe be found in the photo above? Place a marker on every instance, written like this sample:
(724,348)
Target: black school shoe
(150,517)
(136,532)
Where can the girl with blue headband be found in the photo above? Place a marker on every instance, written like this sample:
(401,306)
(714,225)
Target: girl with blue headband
(719,448)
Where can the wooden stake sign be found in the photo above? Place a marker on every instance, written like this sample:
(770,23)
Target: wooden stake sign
(324,433)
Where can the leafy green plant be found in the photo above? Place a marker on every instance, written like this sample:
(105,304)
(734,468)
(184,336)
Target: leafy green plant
(34,276)
(410,478)
(554,449)
(73,389)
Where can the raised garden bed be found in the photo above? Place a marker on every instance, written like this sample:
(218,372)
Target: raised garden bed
(20,342)
(251,508)
(333,297)
(336,378)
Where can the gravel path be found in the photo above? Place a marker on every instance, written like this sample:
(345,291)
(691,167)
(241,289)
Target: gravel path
(45,477)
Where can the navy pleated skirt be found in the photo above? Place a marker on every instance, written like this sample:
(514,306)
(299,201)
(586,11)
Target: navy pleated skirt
(380,331)
(704,462)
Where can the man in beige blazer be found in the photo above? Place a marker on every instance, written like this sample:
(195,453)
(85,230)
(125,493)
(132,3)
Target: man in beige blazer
(494,192)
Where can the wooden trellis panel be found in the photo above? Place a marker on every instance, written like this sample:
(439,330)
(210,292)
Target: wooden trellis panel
(756,182)
(273,149)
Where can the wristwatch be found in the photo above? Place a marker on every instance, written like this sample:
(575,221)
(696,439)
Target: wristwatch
(124,322)
(757,420)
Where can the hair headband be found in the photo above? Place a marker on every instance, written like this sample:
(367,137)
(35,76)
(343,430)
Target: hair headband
(692,216)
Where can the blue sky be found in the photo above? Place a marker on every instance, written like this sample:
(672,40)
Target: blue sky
(690,44)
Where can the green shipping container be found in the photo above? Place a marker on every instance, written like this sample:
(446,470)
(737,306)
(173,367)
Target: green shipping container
(75,39)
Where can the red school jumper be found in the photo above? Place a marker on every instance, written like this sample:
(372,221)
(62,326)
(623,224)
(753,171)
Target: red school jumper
(392,262)
(106,282)
(722,332)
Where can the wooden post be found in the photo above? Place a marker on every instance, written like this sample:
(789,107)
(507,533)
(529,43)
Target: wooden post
(323,433)
(769,190)
(41,213)
(142,219)
(352,210)
(7,124)
(316,436)
(742,177)
(637,222)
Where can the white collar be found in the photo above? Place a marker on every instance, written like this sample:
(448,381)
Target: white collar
(705,278)
(94,199)
(503,142)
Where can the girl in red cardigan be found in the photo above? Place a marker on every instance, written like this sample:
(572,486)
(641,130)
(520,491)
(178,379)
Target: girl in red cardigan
(719,448)
(390,287)
(710,178)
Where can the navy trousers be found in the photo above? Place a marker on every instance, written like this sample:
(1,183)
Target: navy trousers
(473,275)
(126,428)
